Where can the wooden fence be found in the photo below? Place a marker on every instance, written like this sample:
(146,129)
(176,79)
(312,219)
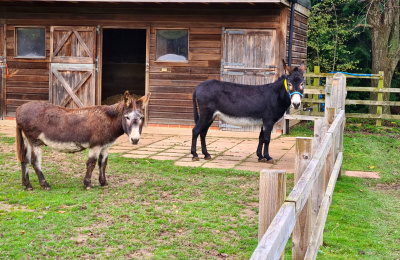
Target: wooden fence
(315,90)
(300,213)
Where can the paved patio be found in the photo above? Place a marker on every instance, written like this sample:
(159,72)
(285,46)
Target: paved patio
(228,149)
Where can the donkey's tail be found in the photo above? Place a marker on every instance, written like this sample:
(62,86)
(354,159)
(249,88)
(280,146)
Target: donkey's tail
(195,113)
(21,150)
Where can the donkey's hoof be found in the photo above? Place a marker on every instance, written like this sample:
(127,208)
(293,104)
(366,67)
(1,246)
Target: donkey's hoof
(194,159)
(47,188)
(262,160)
(88,188)
(270,161)
(28,188)
(207,158)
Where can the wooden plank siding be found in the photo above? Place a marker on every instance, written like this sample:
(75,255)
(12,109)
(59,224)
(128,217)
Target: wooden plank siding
(171,83)
(299,47)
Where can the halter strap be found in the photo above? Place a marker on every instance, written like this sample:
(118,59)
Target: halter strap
(287,90)
(286,87)
(291,94)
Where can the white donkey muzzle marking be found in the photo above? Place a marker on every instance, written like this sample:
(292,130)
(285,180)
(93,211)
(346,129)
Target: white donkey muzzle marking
(134,136)
(296,101)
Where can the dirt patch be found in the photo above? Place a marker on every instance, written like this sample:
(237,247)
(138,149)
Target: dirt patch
(8,208)
(388,187)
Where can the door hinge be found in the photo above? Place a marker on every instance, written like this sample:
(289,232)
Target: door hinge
(270,73)
(271,66)
(98,29)
(97,64)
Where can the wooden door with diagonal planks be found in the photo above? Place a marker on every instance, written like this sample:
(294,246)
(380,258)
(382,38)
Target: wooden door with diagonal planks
(72,69)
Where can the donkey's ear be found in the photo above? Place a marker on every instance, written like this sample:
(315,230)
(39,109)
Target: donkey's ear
(127,98)
(286,67)
(144,100)
(302,67)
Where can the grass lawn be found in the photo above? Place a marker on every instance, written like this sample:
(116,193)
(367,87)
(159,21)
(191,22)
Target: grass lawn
(155,210)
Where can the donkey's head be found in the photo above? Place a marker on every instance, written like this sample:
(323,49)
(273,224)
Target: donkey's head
(295,83)
(133,117)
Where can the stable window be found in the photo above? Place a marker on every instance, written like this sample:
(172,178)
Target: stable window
(172,45)
(30,42)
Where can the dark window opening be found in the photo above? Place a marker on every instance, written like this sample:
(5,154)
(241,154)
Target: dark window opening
(31,42)
(172,45)
(124,63)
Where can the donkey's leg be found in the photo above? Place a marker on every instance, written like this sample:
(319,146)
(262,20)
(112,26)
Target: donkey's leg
(203,135)
(267,138)
(202,125)
(260,146)
(195,134)
(103,157)
(36,160)
(25,167)
(94,153)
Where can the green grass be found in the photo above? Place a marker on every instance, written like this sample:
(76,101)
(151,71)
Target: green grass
(155,210)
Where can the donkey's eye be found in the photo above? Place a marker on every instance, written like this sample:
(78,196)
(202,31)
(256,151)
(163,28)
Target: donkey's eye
(127,117)
(301,86)
(290,86)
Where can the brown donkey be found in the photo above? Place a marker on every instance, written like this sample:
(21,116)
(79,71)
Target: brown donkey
(74,130)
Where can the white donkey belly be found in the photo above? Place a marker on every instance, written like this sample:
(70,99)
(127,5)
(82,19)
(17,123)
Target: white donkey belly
(239,121)
(65,147)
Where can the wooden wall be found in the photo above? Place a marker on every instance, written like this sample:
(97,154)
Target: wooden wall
(28,78)
(170,83)
(299,47)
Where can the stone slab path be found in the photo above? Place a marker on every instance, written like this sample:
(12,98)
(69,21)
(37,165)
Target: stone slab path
(235,150)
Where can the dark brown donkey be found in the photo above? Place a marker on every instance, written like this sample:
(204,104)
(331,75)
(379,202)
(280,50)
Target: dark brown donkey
(74,130)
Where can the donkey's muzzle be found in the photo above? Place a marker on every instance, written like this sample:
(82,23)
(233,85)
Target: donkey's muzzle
(296,105)
(134,140)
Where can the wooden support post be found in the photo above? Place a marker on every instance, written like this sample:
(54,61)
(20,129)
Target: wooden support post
(330,114)
(316,83)
(380,98)
(320,184)
(302,229)
(272,196)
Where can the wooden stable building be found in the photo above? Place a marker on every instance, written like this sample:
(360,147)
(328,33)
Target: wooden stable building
(81,52)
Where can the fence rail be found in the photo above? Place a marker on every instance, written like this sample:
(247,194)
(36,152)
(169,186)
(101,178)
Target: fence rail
(310,175)
(314,90)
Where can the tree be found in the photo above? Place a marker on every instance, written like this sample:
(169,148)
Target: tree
(383,23)
(329,30)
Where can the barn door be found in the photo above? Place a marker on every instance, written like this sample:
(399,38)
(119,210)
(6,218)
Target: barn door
(248,58)
(72,69)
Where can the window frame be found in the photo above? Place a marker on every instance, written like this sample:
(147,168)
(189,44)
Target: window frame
(16,56)
(173,61)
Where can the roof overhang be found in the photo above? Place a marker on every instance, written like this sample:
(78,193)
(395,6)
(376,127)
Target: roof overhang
(302,6)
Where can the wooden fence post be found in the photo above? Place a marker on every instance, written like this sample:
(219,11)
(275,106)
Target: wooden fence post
(316,83)
(341,92)
(380,98)
(318,191)
(272,195)
(302,228)
(330,114)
